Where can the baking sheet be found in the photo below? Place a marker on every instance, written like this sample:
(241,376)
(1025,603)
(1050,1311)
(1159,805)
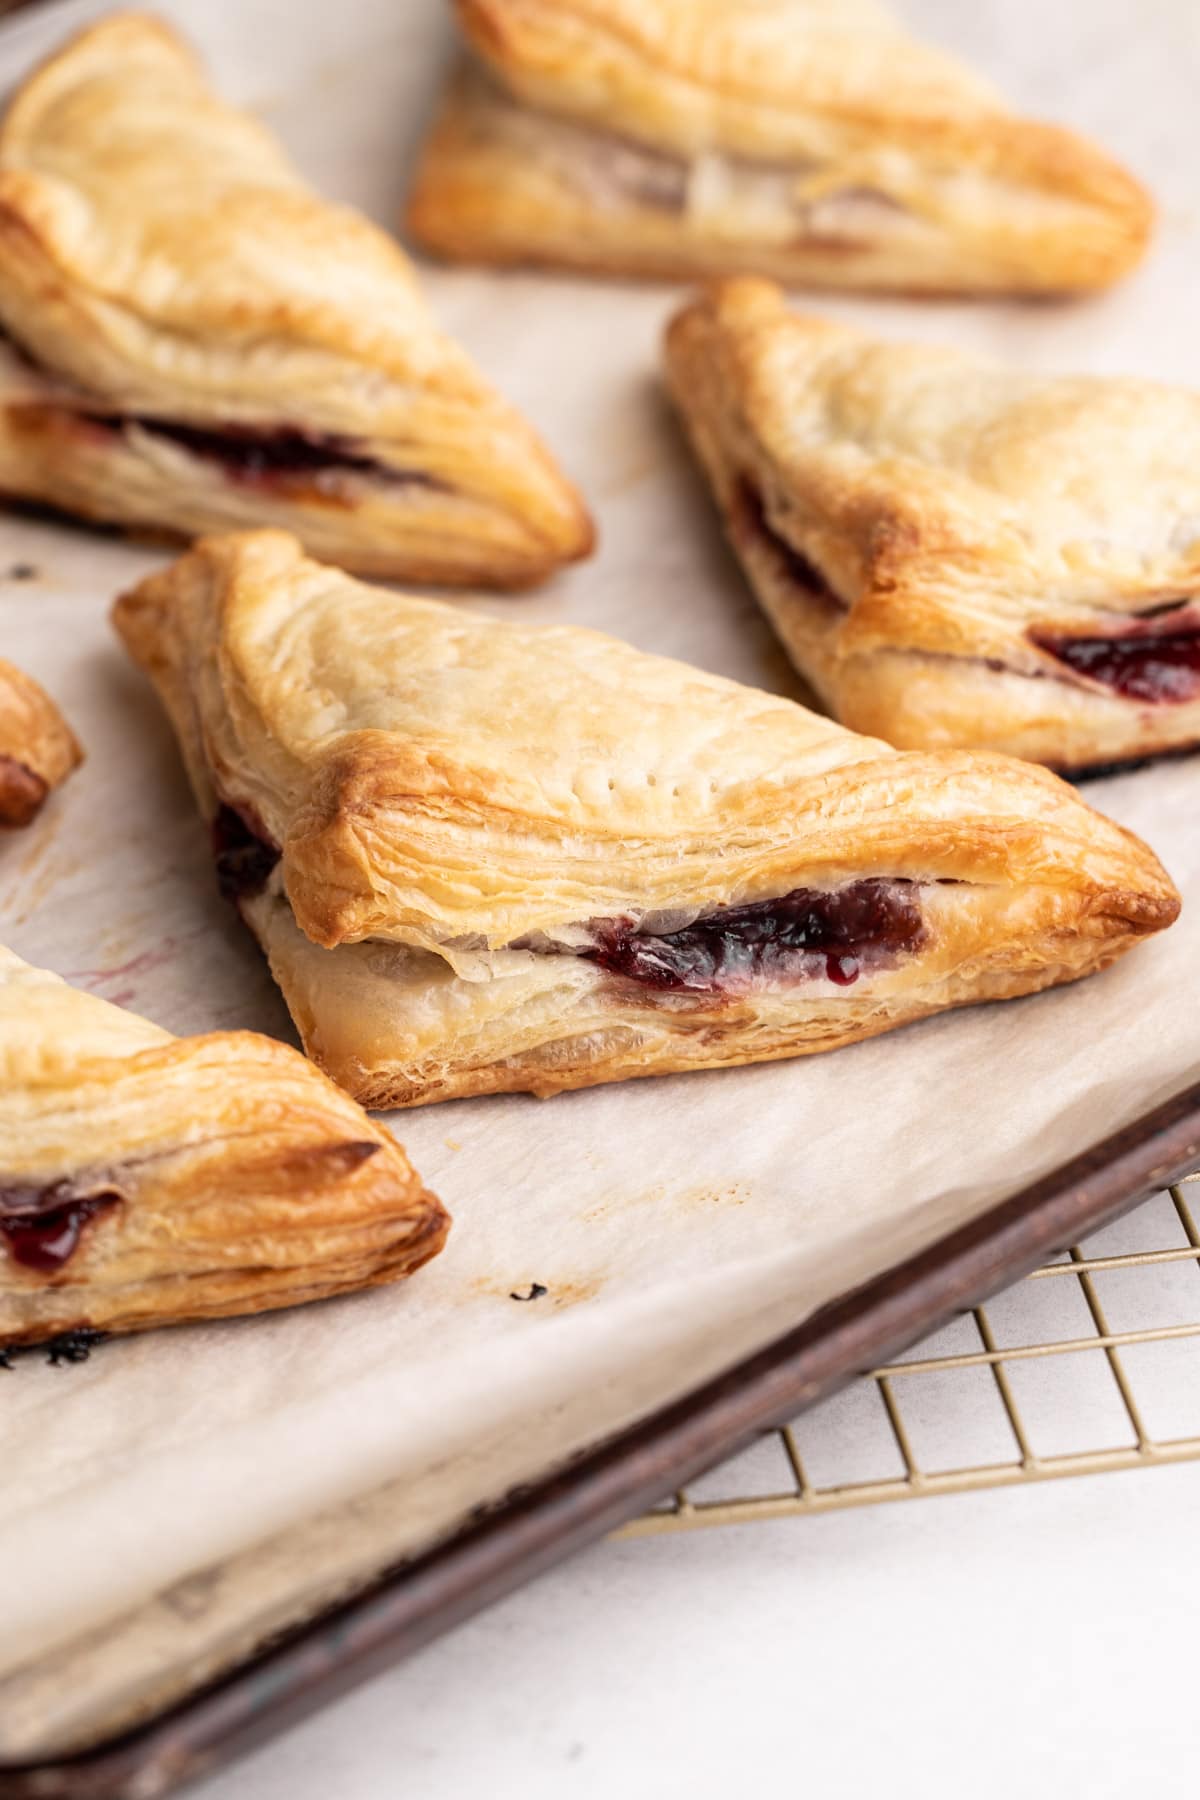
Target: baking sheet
(179,1496)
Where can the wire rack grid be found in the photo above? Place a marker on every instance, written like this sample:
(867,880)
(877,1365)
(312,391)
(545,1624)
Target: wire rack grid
(1090,1365)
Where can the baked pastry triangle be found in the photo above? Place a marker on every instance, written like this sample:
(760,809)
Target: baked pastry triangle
(38,749)
(151,1180)
(483,856)
(955,552)
(195,340)
(811,140)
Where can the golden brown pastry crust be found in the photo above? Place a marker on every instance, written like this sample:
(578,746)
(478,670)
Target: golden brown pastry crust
(431,819)
(38,749)
(152,1180)
(809,140)
(949,508)
(174,283)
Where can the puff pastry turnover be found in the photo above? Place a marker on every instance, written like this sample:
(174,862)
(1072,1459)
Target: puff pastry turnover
(195,340)
(150,1180)
(485,857)
(810,140)
(38,749)
(954,552)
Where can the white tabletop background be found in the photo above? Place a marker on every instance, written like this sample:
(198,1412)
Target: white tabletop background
(1037,1642)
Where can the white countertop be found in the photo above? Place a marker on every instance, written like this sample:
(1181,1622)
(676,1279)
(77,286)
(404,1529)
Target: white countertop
(1034,1641)
(1037,1643)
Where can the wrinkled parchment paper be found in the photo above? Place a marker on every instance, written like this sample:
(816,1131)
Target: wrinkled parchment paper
(179,1496)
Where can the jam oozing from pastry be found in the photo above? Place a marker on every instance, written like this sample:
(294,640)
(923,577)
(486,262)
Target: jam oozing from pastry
(244,854)
(41,1227)
(1158,664)
(806,934)
(281,456)
(22,793)
(749,514)
(264,457)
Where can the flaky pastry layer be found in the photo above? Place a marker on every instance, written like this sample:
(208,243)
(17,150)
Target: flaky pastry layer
(152,1180)
(810,140)
(955,553)
(197,341)
(485,856)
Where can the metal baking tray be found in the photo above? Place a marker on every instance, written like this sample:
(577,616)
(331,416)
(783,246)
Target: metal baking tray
(615,1481)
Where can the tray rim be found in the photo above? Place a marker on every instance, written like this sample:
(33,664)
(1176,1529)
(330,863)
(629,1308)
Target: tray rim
(606,1484)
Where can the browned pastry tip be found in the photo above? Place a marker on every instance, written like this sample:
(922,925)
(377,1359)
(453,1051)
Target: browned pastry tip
(38,749)
(150,1180)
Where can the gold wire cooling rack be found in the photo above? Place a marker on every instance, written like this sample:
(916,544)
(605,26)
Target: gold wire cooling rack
(1092,1364)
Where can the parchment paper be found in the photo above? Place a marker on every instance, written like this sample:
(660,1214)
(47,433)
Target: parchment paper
(180,1495)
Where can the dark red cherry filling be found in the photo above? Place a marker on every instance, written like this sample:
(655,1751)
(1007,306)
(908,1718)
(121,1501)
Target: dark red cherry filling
(805,934)
(22,793)
(41,1227)
(244,854)
(1156,661)
(252,454)
(257,456)
(750,521)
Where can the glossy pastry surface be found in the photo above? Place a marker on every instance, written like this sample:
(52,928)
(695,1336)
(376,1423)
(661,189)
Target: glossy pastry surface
(38,749)
(191,339)
(955,552)
(814,141)
(485,857)
(152,1180)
